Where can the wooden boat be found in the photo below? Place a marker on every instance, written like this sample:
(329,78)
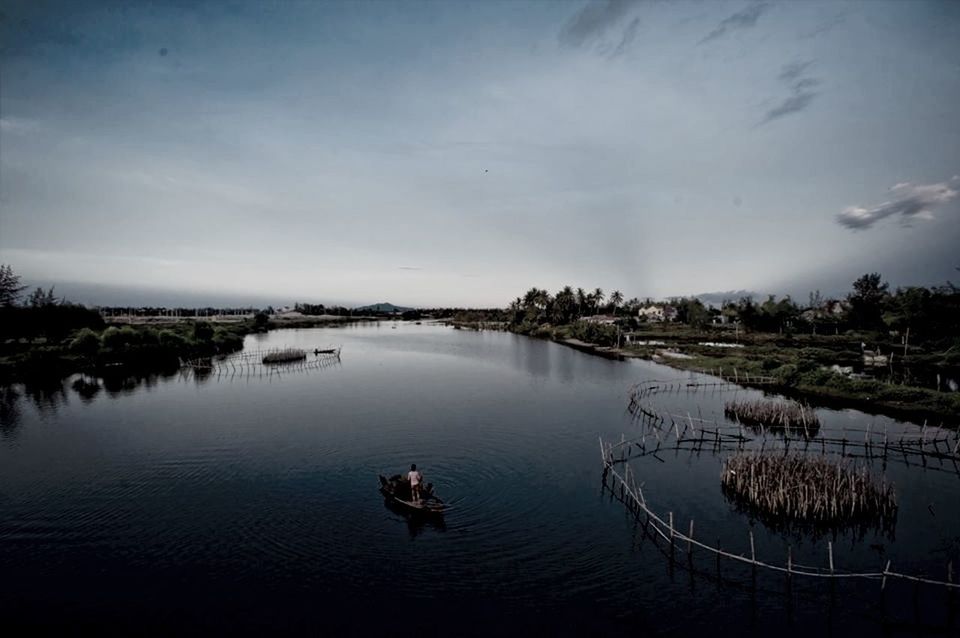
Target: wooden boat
(396,490)
(334,351)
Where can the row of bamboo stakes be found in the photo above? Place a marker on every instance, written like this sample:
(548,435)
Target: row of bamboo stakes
(631,493)
(229,370)
(254,359)
(930,442)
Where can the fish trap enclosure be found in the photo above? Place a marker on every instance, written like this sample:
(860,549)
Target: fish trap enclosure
(261,363)
(784,490)
(786,415)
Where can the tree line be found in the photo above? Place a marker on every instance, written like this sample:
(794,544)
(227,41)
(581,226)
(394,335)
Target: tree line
(915,312)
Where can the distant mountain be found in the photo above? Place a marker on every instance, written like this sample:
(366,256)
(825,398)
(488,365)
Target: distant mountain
(717,298)
(381,307)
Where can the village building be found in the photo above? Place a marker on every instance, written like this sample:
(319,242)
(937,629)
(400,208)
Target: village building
(658,313)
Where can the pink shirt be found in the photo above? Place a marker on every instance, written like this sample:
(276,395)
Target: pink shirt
(414,477)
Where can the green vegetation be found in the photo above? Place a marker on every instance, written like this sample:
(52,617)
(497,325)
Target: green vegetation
(137,348)
(895,352)
(49,337)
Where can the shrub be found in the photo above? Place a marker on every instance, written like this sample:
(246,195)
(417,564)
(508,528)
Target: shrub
(172,340)
(149,337)
(85,343)
(225,339)
(120,338)
(112,338)
(202,331)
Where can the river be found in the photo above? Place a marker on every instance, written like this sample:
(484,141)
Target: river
(247,502)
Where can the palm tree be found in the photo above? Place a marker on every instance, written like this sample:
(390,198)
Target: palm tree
(582,300)
(597,299)
(616,298)
(530,298)
(541,299)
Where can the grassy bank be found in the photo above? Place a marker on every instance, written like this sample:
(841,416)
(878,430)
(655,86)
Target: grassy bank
(801,364)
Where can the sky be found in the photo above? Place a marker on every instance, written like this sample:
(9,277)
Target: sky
(458,153)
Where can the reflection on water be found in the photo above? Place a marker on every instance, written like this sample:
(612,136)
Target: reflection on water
(416,523)
(86,387)
(249,503)
(10,411)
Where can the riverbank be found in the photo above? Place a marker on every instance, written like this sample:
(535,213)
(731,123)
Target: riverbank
(142,344)
(819,369)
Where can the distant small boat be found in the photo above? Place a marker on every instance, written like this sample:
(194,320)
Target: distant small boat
(396,490)
(319,351)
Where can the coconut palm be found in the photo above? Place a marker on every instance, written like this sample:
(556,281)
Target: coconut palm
(598,298)
(616,298)
(582,300)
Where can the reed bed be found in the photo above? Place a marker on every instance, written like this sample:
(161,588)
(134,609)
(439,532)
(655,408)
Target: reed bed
(784,415)
(287,355)
(787,490)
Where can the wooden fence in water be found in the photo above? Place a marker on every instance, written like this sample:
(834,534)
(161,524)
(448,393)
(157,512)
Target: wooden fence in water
(250,364)
(631,494)
(929,444)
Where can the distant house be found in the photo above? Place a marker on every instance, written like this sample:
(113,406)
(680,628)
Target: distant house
(832,309)
(651,313)
(658,313)
(836,307)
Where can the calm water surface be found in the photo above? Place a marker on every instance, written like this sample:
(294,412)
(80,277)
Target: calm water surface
(249,503)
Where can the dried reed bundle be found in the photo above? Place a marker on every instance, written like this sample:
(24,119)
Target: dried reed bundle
(787,415)
(287,355)
(794,488)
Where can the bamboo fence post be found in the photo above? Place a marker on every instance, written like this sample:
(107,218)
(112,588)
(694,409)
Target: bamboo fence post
(690,542)
(753,555)
(830,552)
(886,570)
(671,535)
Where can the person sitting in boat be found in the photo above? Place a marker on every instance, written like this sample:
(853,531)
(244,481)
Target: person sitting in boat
(415,479)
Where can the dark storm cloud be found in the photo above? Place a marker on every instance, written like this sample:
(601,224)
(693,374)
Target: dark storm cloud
(740,20)
(910,201)
(802,91)
(595,19)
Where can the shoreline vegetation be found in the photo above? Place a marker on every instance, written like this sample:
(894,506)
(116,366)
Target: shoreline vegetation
(138,345)
(895,353)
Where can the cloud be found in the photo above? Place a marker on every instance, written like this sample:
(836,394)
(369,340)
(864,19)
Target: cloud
(794,70)
(910,201)
(824,27)
(740,20)
(595,19)
(801,95)
(408,268)
(793,104)
(629,35)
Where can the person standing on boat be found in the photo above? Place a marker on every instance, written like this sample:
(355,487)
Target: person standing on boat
(415,478)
